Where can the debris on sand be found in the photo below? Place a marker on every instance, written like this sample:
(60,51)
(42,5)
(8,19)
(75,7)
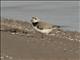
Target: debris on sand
(15,25)
(19,26)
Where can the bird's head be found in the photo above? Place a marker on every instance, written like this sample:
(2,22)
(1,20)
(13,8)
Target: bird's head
(35,19)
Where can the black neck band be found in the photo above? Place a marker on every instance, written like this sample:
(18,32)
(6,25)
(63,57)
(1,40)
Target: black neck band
(34,24)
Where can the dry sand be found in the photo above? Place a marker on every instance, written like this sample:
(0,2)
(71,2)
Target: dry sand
(59,45)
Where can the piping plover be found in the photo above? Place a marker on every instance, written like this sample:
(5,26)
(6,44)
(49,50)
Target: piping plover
(42,26)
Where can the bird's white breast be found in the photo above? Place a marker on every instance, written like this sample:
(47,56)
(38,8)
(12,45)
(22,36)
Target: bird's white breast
(43,30)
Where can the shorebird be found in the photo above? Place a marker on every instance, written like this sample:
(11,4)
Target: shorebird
(42,26)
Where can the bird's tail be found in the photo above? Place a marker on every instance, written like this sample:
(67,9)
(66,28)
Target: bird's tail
(57,26)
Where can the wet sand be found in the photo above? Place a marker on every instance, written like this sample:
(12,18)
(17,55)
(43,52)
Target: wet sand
(35,46)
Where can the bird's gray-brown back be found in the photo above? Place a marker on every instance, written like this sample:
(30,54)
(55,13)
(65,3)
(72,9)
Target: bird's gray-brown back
(43,25)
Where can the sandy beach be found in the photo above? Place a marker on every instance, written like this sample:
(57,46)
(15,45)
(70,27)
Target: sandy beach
(33,46)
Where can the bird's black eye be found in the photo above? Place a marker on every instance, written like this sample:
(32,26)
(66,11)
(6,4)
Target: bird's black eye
(35,18)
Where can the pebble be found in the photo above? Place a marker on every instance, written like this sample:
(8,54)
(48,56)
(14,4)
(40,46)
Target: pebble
(2,57)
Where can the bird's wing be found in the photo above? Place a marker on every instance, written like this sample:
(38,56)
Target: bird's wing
(44,25)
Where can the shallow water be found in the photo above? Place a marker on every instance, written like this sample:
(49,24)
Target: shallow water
(59,13)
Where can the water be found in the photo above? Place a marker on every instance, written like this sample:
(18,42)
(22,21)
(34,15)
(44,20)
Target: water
(64,13)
